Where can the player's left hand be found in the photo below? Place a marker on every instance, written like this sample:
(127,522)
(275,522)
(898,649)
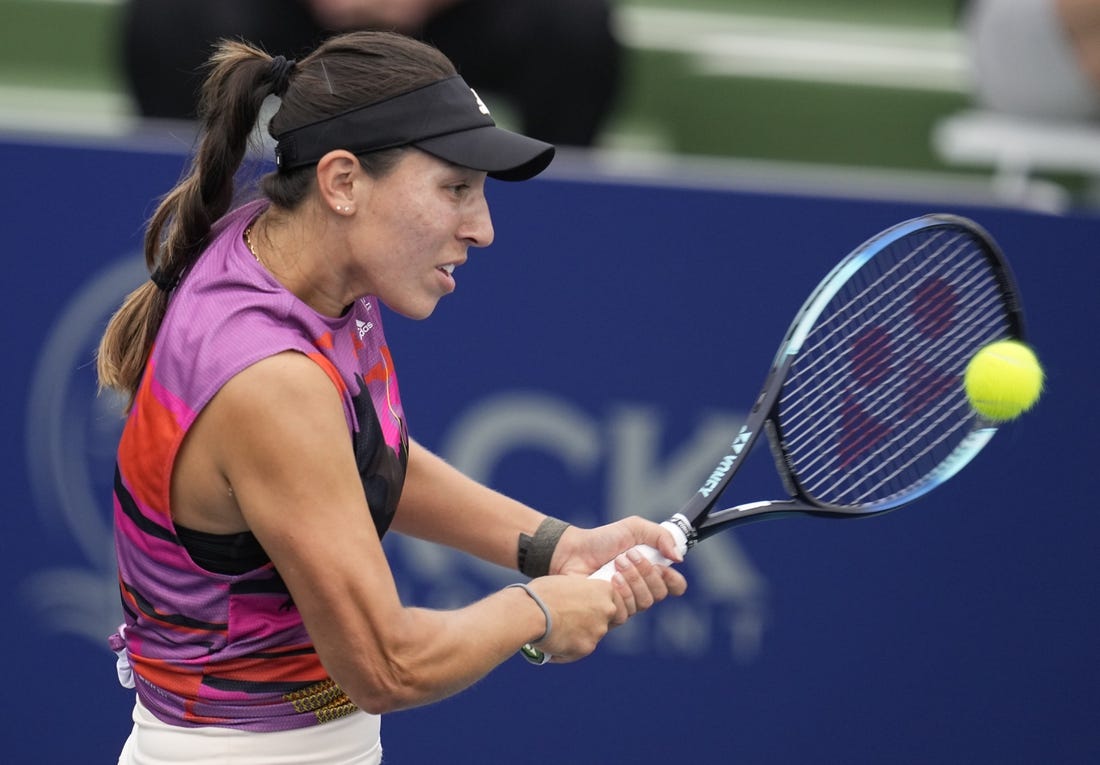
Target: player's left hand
(638,583)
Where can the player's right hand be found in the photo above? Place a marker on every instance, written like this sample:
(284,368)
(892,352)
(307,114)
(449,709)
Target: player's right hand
(582,609)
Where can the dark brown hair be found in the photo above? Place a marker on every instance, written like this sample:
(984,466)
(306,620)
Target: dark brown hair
(345,72)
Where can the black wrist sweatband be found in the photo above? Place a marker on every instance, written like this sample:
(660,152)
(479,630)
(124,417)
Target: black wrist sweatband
(535,552)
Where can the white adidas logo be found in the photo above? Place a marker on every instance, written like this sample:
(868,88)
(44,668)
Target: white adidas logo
(481,107)
(364,327)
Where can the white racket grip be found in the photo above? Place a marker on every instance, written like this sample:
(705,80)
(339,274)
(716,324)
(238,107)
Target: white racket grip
(677,526)
(607,570)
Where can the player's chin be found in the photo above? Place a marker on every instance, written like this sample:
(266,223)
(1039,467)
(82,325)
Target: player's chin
(416,309)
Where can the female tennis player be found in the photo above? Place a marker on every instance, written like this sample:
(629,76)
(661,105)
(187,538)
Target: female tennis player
(266,452)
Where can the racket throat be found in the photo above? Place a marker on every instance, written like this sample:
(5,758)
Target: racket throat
(782,463)
(682,531)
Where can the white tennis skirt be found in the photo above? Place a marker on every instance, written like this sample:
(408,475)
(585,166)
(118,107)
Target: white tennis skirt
(351,740)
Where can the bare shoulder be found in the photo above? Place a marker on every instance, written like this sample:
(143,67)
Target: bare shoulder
(276,378)
(271,414)
(275,417)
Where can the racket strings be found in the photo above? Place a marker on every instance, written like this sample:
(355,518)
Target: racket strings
(819,371)
(929,432)
(871,437)
(867,449)
(817,364)
(822,377)
(873,403)
(861,301)
(828,339)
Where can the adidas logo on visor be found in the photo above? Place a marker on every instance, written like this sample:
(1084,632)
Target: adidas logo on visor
(481,104)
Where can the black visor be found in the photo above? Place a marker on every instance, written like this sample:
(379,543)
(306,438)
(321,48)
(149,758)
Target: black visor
(445,119)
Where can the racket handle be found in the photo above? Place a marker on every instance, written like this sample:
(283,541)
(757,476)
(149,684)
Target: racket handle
(675,526)
(607,570)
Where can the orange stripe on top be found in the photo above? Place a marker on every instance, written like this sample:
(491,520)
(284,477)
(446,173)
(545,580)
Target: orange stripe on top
(297,667)
(168,675)
(150,437)
(381,372)
(330,370)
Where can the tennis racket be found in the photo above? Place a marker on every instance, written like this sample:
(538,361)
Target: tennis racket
(864,405)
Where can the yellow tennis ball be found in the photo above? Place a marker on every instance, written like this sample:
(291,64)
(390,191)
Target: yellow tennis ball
(1003,380)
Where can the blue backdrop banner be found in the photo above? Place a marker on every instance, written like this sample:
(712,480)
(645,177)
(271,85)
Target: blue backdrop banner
(593,362)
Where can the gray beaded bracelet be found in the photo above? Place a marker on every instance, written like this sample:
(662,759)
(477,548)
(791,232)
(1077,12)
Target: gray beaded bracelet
(535,552)
(541,605)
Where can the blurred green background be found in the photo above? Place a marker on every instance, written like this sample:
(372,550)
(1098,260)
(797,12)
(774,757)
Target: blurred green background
(828,83)
(680,95)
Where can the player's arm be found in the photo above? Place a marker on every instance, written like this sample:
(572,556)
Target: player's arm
(278,433)
(443,505)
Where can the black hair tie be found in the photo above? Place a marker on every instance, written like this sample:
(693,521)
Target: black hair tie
(164,282)
(281,67)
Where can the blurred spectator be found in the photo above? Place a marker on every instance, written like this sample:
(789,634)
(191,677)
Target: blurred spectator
(555,63)
(1035,58)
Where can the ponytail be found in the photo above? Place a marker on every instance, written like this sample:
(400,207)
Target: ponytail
(239,78)
(347,71)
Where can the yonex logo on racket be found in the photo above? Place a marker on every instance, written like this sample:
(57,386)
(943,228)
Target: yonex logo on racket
(727,462)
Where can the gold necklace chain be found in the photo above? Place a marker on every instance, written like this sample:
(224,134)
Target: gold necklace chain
(248,242)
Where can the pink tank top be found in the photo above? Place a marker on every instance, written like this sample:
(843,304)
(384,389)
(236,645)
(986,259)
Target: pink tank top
(231,650)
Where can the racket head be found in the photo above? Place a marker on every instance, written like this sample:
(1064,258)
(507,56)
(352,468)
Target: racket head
(869,410)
